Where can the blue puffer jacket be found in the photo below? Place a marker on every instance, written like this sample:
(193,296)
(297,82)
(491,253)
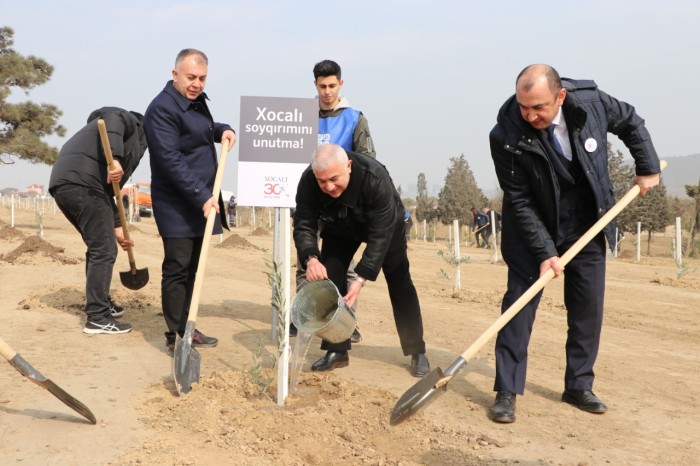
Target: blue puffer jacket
(529,183)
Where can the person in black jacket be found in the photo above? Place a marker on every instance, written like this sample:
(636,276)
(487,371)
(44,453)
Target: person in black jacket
(354,198)
(81,184)
(549,148)
(181,133)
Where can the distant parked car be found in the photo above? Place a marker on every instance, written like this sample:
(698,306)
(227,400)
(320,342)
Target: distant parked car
(144,198)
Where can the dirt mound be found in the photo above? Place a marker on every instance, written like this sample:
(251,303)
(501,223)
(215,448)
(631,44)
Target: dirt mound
(35,247)
(235,241)
(9,233)
(678,282)
(230,414)
(260,231)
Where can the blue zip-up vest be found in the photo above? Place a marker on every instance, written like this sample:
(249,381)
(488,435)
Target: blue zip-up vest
(338,129)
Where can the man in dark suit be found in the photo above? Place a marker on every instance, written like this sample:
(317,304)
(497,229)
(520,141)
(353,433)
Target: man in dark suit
(549,147)
(181,134)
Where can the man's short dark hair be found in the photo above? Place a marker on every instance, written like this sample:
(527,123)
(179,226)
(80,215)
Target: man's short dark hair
(326,68)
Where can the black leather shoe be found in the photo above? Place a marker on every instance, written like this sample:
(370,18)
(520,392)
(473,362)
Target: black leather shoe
(330,361)
(584,400)
(355,337)
(419,365)
(503,409)
(293,330)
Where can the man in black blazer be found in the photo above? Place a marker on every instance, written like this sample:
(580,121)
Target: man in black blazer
(549,148)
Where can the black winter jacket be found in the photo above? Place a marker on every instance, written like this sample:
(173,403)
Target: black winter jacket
(528,180)
(369,211)
(82,162)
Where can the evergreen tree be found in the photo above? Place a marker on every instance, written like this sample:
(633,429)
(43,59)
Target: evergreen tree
(425,205)
(459,194)
(653,210)
(694,192)
(621,177)
(22,125)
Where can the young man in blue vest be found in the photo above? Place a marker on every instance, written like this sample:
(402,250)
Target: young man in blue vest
(339,124)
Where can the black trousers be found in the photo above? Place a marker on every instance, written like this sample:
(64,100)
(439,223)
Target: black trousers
(337,253)
(179,271)
(90,212)
(584,289)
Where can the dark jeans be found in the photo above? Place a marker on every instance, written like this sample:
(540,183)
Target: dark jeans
(179,271)
(90,212)
(584,290)
(337,253)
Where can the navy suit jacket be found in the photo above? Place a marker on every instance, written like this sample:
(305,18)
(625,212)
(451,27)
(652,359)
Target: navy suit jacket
(181,134)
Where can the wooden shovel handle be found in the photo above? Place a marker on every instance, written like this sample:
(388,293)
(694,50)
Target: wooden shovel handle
(547,277)
(208,229)
(6,351)
(115,186)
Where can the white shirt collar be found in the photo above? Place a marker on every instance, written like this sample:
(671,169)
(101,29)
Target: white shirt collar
(561,132)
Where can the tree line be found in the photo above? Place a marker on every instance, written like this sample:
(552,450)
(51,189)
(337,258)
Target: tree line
(23,126)
(655,211)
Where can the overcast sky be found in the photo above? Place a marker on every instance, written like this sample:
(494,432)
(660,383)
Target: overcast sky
(429,76)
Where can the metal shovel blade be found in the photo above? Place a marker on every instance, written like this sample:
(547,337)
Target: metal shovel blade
(186,362)
(424,392)
(70,401)
(134,279)
(26,369)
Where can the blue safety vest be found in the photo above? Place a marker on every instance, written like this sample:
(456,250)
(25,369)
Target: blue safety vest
(338,129)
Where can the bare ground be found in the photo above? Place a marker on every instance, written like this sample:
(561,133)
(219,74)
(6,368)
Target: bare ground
(646,369)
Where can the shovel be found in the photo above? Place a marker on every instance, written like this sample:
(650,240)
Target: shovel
(186,359)
(435,382)
(134,279)
(24,368)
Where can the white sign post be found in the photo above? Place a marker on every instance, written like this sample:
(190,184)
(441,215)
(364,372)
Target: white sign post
(278,136)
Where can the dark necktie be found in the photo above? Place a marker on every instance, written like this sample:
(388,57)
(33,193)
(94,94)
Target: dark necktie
(553,141)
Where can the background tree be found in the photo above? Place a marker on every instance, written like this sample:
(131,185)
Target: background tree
(653,210)
(459,193)
(22,125)
(425,205)
(694,192)
(621,176)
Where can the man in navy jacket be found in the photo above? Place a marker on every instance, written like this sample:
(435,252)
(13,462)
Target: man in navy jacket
(549,147)
(181,134)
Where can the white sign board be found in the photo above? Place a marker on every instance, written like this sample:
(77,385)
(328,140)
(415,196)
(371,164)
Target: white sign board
(278,136)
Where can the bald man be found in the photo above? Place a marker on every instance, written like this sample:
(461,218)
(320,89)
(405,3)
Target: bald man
(549,148)
(354,198)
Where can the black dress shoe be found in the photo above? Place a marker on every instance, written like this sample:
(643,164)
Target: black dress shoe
(503,409)
(293,330)
(330,361)
(419,365)
(584,400)
(355,337)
